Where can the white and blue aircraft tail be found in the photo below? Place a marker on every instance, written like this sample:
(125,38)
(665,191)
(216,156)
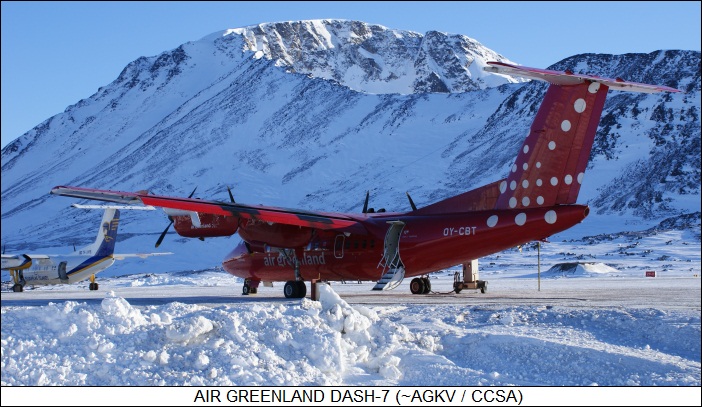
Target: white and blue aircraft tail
(84,263)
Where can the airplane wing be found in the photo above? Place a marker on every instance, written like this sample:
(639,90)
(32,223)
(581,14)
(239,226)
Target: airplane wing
(296,217)
(140,255)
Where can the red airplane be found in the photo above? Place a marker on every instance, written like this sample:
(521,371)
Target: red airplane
(536,200)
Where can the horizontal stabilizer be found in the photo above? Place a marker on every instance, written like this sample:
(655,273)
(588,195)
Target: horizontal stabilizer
(570,78)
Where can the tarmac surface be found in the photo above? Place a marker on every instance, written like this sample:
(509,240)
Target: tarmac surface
(662,293)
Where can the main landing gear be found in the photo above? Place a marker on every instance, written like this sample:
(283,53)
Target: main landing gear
(93,286)
(420,285)
(295,289)
(18,278)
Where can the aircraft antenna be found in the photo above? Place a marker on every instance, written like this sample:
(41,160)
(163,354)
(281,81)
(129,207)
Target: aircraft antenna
(414,207)
(365,204)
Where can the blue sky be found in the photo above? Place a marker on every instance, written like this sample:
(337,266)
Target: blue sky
(56,53)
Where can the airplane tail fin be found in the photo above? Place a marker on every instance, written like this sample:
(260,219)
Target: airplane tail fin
(550,166)
(104,244)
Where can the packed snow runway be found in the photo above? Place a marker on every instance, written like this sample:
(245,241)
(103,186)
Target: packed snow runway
(668,293)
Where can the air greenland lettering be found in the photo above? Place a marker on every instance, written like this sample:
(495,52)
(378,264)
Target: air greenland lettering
(305,260)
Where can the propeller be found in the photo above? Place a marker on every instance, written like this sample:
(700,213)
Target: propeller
(414,207)
(231,197)
(163,234)
(170,218)
(365,204)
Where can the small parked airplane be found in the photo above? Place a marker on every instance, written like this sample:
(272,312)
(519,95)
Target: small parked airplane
(45,269)
(536,200)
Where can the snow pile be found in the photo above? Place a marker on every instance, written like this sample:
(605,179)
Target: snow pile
(368,343)
(640,337)
(581,269)
(118,344)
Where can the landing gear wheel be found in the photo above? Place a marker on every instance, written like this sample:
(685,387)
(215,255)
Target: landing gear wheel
(290,289)
(295,289)
(17,288)
(483,286)
(93,286)
(301,289)
(417,286)
(427,285)
(246,289)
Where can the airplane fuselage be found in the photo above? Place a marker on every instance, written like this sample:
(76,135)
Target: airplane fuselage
(426,244)
(63,269)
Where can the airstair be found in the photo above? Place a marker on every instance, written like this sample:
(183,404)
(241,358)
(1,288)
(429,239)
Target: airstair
(391,264)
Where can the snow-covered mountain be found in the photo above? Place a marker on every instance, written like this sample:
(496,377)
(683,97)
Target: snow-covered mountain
(312,114)
(374,59)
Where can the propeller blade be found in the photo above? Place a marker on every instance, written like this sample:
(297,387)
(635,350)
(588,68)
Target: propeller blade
(160,238)
(414,207)
(365,204)
(163,234)
(231,197)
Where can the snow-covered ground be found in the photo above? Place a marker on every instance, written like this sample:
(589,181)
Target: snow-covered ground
(594,325)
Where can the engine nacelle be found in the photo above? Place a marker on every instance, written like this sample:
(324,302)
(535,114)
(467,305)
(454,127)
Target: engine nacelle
(205,225)
(257,232)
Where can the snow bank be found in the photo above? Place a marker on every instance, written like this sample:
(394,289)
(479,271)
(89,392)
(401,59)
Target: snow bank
(117,344)
(581,269)
(329,342)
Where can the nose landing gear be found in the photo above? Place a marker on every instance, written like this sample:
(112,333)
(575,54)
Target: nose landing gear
(250,286)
